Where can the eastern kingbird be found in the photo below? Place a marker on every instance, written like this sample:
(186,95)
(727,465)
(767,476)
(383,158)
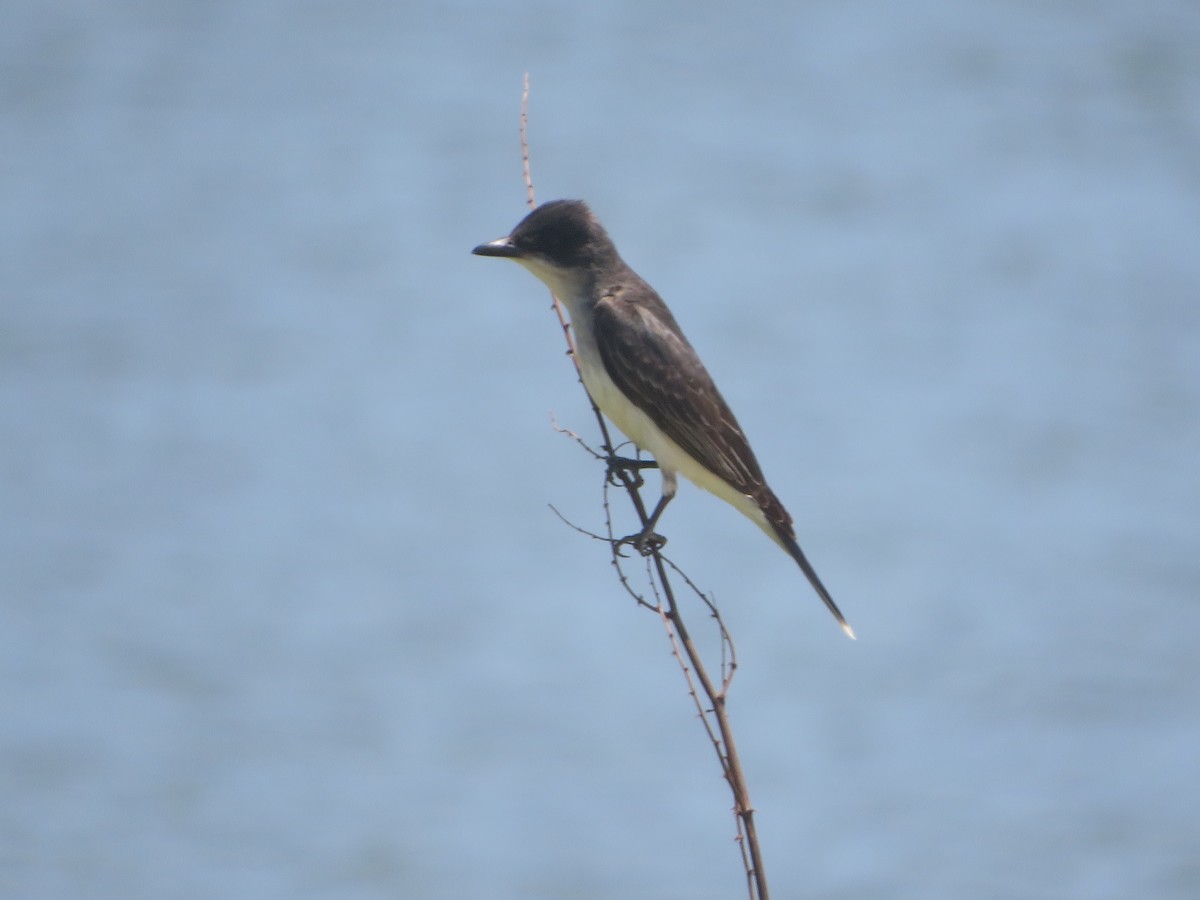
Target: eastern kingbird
(642,372)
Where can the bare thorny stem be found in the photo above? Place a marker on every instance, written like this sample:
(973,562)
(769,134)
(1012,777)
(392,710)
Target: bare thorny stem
(708,696)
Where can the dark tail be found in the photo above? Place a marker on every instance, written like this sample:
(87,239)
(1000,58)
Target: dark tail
(789,544)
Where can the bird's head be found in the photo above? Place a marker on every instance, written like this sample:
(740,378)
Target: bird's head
(560,242)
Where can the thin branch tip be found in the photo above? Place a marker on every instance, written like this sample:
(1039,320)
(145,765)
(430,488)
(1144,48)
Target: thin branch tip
(626,474)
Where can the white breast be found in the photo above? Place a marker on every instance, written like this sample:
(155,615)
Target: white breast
(620,410)
(640,428)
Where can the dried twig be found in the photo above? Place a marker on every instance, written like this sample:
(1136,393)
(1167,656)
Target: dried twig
(709,696)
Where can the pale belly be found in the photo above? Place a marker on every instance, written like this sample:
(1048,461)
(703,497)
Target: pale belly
(640,428)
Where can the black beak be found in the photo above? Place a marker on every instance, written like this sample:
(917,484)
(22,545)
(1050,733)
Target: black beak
(499,247)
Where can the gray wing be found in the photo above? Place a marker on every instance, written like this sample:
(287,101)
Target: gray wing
(652,363)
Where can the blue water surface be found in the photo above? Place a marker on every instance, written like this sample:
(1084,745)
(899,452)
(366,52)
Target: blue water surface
(284,612)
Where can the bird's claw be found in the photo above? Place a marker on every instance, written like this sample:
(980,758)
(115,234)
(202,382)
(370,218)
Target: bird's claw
(645,542)
(623,465)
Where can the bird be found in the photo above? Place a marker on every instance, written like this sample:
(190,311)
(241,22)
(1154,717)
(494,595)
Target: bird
(643,374)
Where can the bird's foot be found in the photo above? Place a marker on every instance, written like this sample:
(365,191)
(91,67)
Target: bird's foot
(645,542)
(625,464)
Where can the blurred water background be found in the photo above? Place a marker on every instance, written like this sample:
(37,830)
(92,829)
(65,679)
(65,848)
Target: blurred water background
(283,610)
